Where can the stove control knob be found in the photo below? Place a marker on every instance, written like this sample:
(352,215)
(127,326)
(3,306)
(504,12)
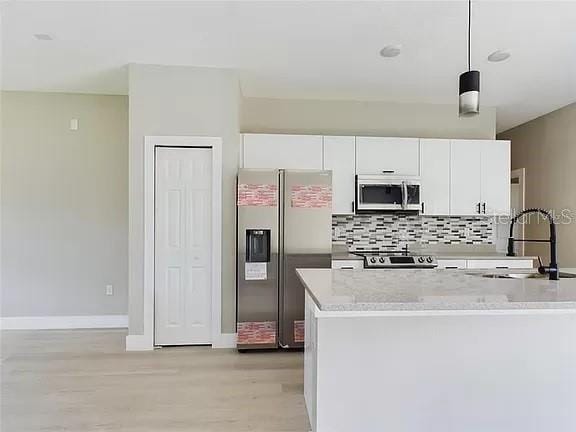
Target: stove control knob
(421,259)
(373,260)
(381,259)
(429,259)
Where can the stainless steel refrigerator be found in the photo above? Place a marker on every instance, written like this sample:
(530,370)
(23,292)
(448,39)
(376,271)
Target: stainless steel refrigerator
(284,223)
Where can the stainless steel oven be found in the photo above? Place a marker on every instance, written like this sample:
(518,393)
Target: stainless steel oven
(387,193)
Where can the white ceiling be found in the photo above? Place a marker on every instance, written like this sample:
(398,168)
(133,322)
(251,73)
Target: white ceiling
(312,49)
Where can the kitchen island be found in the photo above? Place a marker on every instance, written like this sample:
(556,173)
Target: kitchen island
(438,351)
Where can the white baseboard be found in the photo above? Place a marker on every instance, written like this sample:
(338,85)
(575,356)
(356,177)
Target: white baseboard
(225,340)
(138,343)
(63,322)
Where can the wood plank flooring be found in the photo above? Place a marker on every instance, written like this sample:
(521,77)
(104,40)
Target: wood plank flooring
(83,380)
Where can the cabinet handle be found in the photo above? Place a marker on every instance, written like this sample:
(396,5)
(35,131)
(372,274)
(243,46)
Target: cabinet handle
(353,209)
(451,267)
(484,208)
(346,268)
(387,171)
(478,208)
(422,206)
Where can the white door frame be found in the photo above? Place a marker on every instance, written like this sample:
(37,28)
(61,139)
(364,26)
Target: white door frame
(520,174)
(150,144)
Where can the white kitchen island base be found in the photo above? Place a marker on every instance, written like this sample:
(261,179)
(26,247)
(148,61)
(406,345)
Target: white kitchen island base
(440,371)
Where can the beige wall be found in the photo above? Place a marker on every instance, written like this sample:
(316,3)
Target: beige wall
(64,204)
(177,100)
(363,118)
(546,147)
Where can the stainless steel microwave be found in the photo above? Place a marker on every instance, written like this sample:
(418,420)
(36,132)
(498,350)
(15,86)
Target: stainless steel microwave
(387,193)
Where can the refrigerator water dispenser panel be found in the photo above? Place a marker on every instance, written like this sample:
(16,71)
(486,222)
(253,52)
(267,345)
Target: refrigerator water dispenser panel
(258,245)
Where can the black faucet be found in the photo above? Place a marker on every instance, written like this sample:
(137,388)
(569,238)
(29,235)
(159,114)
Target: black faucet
(552,269)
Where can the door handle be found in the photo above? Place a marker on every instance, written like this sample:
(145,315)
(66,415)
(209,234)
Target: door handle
(484,208)
(404,196)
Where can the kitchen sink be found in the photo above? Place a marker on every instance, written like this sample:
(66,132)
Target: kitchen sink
(526,275)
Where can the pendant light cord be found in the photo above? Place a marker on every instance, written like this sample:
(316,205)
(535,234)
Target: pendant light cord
(469,32)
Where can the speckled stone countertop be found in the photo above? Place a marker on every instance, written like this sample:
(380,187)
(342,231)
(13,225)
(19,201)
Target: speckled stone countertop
(425,289)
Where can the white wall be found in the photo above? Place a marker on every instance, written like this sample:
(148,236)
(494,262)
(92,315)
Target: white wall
(363,118)
(177,100)
(64,209)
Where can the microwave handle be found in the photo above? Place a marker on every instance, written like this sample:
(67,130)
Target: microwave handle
(404,195)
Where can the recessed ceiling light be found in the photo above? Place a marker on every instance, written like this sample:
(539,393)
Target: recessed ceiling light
(43,37)
(498,56)
(391,51)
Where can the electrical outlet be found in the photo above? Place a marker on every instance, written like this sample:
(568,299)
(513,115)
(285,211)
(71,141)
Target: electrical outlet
(109,290)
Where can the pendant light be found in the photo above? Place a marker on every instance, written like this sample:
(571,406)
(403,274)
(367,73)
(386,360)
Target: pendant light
(469,99)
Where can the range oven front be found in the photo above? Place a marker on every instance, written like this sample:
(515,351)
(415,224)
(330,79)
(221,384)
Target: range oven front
(387,193)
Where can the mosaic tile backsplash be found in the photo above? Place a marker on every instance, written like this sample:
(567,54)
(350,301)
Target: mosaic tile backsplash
(389,231)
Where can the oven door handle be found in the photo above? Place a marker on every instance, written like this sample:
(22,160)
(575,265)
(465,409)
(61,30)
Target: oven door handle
(404,195)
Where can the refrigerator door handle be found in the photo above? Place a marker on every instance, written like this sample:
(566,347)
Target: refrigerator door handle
(281,256)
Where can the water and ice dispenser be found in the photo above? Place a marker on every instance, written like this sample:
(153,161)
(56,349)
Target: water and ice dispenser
(257,245)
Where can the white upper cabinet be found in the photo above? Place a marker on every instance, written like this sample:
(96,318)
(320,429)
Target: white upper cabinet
(495,176)
(435,176)
(465,180)
(282,151)
(339,156)
(394,156)
(480,177)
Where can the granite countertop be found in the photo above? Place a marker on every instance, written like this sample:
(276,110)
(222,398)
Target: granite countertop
(432,290)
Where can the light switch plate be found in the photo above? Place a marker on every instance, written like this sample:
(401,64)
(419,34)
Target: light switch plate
(74,124)
(109,290)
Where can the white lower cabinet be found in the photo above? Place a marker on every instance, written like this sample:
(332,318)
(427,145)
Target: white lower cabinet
(347,264)
(452,264)
(339,156)
(500,264)
(488,264)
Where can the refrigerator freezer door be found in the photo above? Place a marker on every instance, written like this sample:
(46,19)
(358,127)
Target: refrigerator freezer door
(306,224)
(257,275)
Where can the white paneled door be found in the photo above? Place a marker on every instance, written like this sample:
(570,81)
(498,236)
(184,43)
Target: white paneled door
(183,246)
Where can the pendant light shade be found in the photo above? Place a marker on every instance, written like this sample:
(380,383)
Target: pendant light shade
(469,102)
(469,88)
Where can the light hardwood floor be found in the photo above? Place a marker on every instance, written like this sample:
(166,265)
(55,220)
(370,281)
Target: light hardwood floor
(83,380)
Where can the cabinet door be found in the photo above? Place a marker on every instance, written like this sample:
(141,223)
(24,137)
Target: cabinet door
(348,264)
(496,177)
(282,151)
(435,176)
(500,264)
(453,264)
(465,180)
(339,156)
(394,156)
